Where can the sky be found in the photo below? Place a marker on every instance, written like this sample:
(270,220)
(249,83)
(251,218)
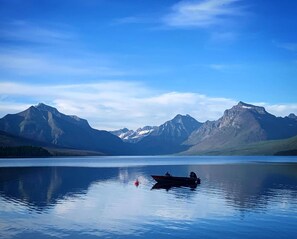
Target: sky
(137,62)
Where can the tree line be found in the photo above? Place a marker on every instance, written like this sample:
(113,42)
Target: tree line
(23,152)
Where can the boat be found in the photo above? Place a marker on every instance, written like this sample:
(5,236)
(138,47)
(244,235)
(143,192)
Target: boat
(176,180)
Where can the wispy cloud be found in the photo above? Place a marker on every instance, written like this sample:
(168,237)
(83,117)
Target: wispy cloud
(202,14)
(218,66)
(51,50)
(133,20)
(224,36)
(24,31)
(30,63)
(223,66)
(290,46)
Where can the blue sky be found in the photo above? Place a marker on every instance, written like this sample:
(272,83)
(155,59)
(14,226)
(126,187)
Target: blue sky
(135,63)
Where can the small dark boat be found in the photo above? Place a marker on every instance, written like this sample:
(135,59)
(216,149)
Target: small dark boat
(176,180)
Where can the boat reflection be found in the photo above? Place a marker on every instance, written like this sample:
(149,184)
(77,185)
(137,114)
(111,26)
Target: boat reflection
(168,186)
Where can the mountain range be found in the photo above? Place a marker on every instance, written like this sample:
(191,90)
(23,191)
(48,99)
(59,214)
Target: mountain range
(164,139)
(242,130)
(168,137)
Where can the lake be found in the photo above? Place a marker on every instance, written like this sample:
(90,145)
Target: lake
(95,197)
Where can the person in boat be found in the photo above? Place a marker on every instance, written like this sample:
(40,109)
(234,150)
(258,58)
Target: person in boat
(167,174)
(193,175)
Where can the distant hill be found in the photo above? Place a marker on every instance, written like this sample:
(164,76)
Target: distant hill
(23,151)
(46,124)
(241,125)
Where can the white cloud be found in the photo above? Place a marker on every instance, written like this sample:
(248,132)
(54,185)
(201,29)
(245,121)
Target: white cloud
(8,107)
(280,109)
(114,104)
(202,13)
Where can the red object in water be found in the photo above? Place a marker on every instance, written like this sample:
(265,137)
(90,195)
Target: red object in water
(136,183)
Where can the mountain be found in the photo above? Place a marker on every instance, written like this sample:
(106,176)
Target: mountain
(292,116)
(122,133)
(242,124)
(167,138)
(177,129)
(132,136)
(46,124)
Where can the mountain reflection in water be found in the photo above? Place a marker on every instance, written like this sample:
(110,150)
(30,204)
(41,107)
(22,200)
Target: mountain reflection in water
(49,202)
(42,187)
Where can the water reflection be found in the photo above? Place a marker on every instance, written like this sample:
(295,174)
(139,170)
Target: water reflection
(41,187)
(248,186)
(242,185)
(48,202)
(168,186)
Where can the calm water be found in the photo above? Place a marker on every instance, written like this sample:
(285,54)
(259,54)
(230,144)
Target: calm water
(239,197)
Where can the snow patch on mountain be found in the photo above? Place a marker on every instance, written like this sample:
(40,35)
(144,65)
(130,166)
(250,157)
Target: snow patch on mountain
(132,136)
